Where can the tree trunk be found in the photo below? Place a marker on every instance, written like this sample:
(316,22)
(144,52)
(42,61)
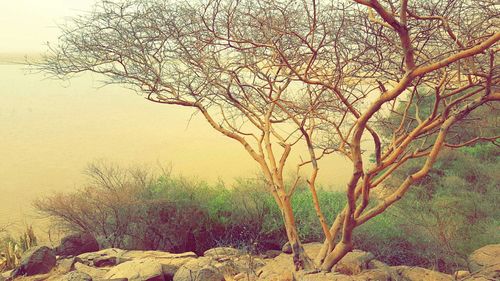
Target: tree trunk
(340,250)
(328,246)
(300,258)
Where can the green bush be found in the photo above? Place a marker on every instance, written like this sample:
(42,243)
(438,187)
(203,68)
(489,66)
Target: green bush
(444,217)
(136,209)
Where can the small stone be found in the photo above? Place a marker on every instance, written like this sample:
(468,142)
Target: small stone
(461,274)
(376,264)
(287,248)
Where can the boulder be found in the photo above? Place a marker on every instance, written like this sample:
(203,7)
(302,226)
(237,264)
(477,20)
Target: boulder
(66,265)
(222,251)
(137,270)
(270,254)
(76,244)
(244,277)
(37,260)
(105,261)
(205,268)
(106,256)
(320,276)
(354,262)
(375,275)
(170,262)
(312,249)
(95,273)
(75,276)
(414,273)
(376,264)
(246,264)
(277,267)
(6,275)
(485,274)
(484,257)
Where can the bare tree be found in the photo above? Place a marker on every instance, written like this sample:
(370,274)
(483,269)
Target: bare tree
(279,75)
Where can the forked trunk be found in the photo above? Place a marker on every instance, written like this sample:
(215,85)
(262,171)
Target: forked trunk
(328,246)
(340,250)
(300,258)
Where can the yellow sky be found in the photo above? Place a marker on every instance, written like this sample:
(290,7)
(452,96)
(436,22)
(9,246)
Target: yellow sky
(50,130)
(26,25)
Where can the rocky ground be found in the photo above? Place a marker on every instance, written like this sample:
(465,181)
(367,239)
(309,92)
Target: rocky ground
(223,264)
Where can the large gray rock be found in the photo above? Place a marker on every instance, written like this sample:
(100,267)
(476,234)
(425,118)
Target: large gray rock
(484,257)
(137,270)
(415,273)
(76,244)
(354,262)
(75,276)
(37,260)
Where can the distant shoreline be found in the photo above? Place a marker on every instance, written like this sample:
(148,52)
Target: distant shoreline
(18,58)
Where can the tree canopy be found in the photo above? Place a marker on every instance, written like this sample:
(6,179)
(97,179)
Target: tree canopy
(278,74)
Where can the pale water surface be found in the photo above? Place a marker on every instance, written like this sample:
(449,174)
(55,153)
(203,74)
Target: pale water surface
(50,130)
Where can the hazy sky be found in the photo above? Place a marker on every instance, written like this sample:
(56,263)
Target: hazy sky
(26,25)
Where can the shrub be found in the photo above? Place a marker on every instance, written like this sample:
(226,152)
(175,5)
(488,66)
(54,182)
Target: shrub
(443,218)
(132,208)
